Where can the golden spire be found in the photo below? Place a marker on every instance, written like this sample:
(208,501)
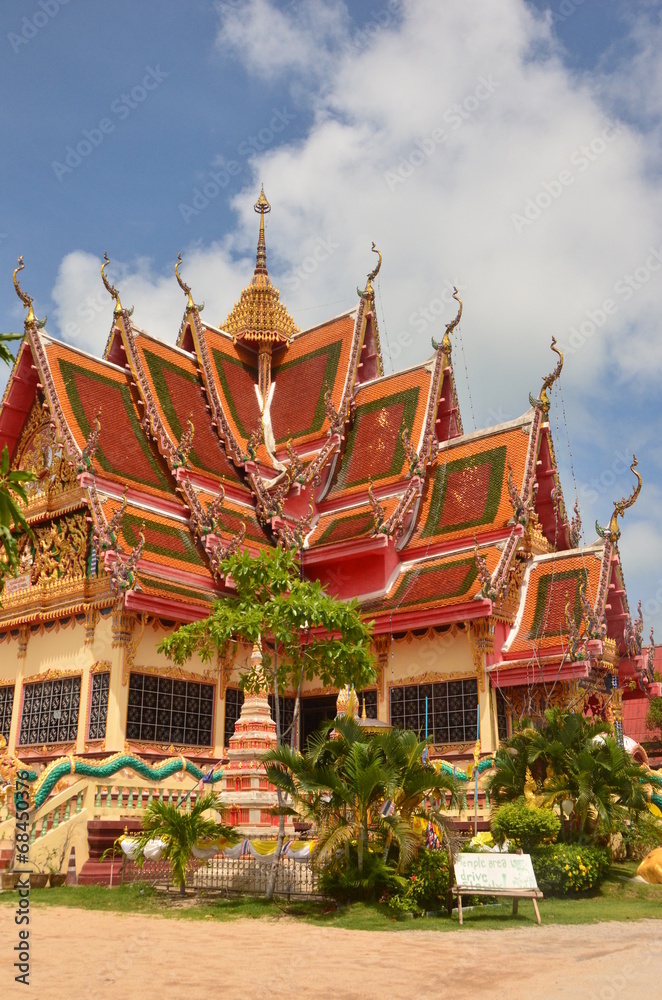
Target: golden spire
(259,316)
(262,207)
(30,319)
(112,291)
(543,399)
(620,506)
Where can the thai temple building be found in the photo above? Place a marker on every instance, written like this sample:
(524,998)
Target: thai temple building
(157,460)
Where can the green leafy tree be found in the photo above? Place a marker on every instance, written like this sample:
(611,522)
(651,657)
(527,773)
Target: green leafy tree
(180,830)
(11,487)
(524,825)
(576,765)
(344,779)
(304,634)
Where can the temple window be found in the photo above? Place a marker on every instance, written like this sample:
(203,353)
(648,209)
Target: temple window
(449,715)
(98,706)
(6,704)
(169,711)
(502,717)
(50,711)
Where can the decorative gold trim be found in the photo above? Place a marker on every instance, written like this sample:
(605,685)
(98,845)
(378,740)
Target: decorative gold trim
(481,642)
(101,667)
(209,676)
(432,677)
(52,675)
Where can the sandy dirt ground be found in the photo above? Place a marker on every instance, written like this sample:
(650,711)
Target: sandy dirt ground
(80,954)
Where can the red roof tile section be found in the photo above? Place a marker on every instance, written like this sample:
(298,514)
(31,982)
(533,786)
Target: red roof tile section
(374,448)
(83,386)
(466,492)
(435,583)
(551,583)
(176,391)
(315,361)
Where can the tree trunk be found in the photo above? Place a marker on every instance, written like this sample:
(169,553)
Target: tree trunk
(273,872)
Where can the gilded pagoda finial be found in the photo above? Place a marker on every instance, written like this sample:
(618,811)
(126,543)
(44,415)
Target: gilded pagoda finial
(450,327)
(262,207)
(112,291)
(30,319)
(259,317)
(620,506)
(543,399)
(369,290)
(190,305)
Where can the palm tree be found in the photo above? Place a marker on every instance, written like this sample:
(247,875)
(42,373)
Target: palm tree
(180,831)
(344,780)
(572,763)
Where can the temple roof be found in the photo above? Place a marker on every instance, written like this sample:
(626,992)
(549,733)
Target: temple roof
(256,432)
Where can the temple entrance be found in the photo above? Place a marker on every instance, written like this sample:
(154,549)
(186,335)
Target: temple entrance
(315,711)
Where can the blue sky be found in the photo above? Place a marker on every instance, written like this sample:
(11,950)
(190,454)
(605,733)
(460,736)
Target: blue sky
(512,148)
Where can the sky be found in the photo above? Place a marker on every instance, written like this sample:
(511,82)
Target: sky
(510,148)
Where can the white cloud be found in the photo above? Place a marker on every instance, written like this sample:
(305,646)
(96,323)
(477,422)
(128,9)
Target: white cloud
(454,136)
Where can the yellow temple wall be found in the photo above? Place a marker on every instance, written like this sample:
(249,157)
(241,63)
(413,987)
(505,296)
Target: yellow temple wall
(439,656)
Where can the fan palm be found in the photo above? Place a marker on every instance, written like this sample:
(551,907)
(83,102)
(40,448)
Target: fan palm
(180,830)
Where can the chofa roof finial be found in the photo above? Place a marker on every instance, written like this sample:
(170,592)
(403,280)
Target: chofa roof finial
(542,401)
(620,506)
(450,327)
(112,291)
(369,290)
(30,319)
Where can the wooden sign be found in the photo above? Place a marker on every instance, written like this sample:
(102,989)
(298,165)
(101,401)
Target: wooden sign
(495,871)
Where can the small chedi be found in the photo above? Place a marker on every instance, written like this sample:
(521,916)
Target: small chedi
(247,797)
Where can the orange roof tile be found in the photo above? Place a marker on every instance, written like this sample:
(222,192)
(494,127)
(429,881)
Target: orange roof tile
(175,389)
(343,525)
(467,491)
(83,385)
(435,583)
(550,583)
(234,370)
(168,541)
(315,360)
(374,449)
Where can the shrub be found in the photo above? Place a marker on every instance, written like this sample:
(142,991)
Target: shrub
(565,869)
(427,883)
(341,879)
(524,825)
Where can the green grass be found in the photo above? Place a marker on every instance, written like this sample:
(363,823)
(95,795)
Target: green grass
(618,899)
